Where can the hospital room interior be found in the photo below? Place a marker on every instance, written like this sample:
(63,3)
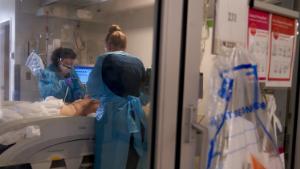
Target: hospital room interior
(149,84)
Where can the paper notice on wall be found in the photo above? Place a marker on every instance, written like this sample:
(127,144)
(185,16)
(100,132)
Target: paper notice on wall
(282,51)
(56,43)
(258,39)
(230,25)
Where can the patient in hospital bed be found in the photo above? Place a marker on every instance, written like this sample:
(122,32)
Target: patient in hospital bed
(19,110)
(10,111)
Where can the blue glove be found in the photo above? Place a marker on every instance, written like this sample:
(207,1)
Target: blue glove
(69,81)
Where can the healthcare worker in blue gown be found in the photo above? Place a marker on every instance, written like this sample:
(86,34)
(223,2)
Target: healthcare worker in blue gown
(121,141)
(59,79)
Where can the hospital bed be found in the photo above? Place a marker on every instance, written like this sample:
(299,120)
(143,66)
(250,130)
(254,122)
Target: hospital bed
(64,142)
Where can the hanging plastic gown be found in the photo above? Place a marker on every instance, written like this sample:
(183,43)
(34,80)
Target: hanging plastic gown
(238,117)
(35,64)
(120,120)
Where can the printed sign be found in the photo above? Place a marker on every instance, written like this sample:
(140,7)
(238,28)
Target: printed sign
(282,51)
(230,26)
(258,39)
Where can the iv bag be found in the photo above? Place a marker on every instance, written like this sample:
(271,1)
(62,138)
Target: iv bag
(35,64)
(238,117)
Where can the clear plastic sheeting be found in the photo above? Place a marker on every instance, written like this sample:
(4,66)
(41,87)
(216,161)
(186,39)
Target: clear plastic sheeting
(35,64)
(240,136)
(23,110)
(273,120)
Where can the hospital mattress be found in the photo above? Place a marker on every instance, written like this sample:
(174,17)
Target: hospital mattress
(68,139)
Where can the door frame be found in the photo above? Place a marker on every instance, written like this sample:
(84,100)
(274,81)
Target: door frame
(173,90)
(11,63)
(191,56)
(168,36)
(2,25)
(294,146)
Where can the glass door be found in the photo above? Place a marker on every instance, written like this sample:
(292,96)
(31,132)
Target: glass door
(196,65)
(189,153)
(72,61)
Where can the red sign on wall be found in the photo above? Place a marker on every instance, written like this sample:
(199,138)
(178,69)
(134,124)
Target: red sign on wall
(282,50)
(258,39)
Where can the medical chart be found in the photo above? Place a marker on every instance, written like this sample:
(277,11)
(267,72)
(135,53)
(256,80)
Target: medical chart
(258,39)
(282,51)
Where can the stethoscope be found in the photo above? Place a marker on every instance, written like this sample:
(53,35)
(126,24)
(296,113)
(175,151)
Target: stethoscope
(68,88)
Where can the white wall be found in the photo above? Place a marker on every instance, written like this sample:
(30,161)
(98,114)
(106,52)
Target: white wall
(136,23)
(28,27)
(2,53)
(94,35)
(140,44)
(206,67)
(139,27)
(136,18)
(7,13)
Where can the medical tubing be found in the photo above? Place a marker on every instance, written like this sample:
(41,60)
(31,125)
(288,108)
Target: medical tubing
(256,88)
(67,91)
(257,117)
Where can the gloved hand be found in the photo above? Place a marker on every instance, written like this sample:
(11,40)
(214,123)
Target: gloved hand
(69,81)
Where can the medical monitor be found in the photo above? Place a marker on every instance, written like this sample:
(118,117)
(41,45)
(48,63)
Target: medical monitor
(83,73)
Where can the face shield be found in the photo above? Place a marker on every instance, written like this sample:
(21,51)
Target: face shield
(66,65)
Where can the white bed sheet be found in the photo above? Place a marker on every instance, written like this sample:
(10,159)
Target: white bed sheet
(11,111)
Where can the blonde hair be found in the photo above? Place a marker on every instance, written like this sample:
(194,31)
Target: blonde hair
(115,38)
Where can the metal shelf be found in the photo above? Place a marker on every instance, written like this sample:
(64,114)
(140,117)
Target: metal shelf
(276,9)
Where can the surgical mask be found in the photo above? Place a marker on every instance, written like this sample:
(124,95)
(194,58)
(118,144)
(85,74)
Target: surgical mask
(66,69)
(67,66)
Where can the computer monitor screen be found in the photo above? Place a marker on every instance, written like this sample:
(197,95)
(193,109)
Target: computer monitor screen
(83,73)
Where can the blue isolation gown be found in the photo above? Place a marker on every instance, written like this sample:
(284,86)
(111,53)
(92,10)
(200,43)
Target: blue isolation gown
(120,121)
(51,83)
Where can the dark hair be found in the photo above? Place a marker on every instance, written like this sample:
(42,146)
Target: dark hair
(124,77)
(62,53)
